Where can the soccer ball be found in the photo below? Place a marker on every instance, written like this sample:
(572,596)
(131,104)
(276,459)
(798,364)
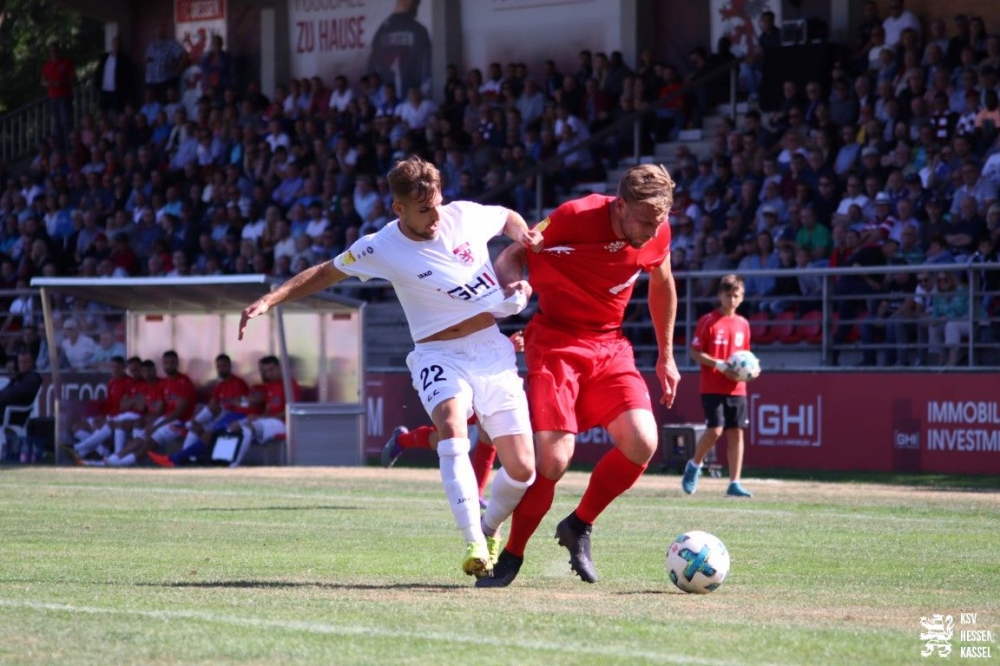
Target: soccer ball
(697,562)
(745,364)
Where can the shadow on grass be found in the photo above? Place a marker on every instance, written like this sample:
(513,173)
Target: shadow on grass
(279,584)
(928,481)
(315,507)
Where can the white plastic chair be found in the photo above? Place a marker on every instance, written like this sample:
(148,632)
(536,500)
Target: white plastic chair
(18,429)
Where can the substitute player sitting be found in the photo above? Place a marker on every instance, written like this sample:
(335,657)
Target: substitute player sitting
(437,259)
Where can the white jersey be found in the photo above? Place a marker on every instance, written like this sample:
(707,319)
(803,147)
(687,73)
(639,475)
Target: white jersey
(439,282)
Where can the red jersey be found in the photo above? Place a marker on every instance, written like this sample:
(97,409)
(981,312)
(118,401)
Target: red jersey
(585,274)
(118,389)
(60,74)
(274,397)
(228,392)
(720,337)
(175,389)
(151,393)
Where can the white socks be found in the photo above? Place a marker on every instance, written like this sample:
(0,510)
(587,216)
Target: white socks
(124,461)
(120,437)
(505,494)
(460,486)
(91,441)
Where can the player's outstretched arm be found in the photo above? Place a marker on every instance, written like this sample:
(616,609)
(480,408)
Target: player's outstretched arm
(663,313)
(510,264)
(517,230)
(307,282)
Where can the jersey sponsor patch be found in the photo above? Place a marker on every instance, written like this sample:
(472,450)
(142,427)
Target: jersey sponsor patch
(465,254)
(543,225)
(347,258)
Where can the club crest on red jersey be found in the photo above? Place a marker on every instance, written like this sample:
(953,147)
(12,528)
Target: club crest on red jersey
(465,254)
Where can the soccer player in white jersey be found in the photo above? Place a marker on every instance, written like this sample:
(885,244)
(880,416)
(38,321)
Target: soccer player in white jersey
(437,260)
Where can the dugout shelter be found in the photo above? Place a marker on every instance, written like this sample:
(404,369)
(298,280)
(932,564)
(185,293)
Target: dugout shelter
(319,340)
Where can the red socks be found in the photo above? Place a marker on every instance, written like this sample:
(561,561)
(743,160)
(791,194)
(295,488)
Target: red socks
(418,438)
(482,463)
(612,476)
(529,513)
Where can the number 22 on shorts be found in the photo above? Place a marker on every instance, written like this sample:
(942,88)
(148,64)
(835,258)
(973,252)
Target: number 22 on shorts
(429,376)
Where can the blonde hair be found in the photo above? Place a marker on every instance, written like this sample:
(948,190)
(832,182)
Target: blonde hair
(650,184)
(413,177)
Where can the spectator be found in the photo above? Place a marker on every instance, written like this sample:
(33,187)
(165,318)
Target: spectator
(216,69)
(762,256)
(813,235)
(113,78)
(59,77)
(891,318)
(165,60)
(107,349)
(947,320)
(22,389)
(78,348)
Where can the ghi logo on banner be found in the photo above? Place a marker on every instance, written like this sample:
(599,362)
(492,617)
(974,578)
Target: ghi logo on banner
(786,422)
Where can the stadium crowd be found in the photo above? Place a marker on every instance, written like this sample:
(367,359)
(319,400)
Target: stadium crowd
(898,162)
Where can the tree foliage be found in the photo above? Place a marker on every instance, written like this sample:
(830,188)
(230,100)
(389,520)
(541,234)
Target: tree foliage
(26,28)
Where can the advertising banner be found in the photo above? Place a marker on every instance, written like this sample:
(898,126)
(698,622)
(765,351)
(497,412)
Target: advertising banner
(881,422)
(356,37)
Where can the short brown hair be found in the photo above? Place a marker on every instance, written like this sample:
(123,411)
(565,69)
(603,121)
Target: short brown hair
(650,184)
(730,282)
(413,177)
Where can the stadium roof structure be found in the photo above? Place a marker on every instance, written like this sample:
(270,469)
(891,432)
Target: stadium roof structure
(221,293)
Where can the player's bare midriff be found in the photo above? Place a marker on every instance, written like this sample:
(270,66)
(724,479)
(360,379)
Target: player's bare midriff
(462,329)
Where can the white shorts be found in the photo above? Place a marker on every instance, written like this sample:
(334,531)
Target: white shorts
(124,417)
(267,428)
(479,369)
(164,432)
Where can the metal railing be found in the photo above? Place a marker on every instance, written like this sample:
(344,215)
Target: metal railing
(831,329)
(24,128)
(845,329)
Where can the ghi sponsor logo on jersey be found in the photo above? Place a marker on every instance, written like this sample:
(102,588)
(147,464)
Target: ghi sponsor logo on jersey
(483,285)
(465,254)
(720,338)
(614,247)
(559,249)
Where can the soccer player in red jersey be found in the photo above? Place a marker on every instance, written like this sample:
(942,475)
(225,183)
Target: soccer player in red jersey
(270,423)
(719,335)
(119,387)
(581,369)
(178,397)
(229,403)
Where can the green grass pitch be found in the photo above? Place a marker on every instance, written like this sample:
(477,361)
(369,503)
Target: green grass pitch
(361,566)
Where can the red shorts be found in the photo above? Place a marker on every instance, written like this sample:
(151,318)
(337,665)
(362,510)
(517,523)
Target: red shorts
(577,382)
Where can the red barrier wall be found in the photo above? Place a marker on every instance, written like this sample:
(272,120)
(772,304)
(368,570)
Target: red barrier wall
(945,423)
